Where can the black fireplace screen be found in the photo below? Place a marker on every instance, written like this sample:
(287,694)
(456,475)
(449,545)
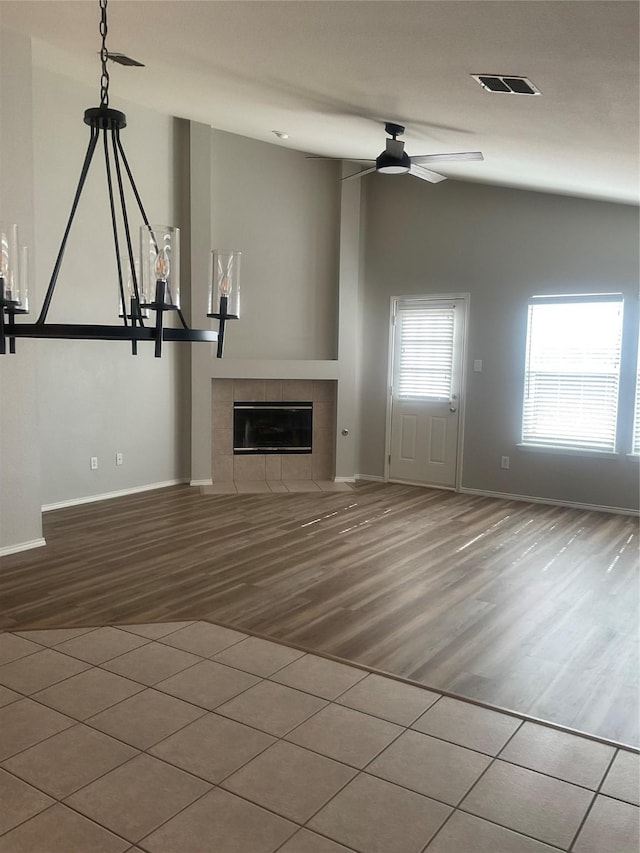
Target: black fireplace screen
(272,427)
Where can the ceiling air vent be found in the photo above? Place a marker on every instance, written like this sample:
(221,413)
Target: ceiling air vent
(506,85)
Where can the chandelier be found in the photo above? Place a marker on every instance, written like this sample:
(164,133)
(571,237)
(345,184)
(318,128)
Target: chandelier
(150,283)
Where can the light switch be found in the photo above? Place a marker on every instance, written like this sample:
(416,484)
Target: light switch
(477,365)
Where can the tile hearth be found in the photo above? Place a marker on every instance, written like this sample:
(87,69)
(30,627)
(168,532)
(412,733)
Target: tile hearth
(188,737)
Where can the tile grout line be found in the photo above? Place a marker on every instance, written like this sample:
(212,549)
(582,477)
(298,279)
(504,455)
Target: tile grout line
(593,801)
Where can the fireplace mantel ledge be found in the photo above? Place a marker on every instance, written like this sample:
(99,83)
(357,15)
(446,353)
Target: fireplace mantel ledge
(249,368)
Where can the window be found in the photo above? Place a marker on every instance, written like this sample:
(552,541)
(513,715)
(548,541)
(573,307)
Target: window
(572,372)
(426,336)
(635,449)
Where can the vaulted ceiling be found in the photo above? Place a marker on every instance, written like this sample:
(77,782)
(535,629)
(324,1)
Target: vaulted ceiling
(329,74)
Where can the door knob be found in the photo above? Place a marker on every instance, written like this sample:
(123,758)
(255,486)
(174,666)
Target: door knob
(453,408)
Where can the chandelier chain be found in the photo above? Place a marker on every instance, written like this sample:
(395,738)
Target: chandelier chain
(104,56)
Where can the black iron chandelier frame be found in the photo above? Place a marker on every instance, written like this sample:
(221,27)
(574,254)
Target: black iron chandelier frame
(107,123)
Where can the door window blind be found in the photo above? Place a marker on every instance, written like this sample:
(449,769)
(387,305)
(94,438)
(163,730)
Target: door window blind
(426,352)
(572,372)
(636,418)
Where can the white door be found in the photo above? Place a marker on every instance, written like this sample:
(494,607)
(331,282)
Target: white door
(427,358)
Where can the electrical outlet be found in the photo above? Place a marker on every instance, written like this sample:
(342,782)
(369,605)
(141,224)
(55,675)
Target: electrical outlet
(504,462)
(94,463)
(119,459)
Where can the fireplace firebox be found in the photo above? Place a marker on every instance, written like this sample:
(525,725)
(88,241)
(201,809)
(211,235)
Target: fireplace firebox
(272,427)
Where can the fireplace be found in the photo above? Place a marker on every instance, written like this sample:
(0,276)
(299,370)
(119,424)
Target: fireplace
(272,427)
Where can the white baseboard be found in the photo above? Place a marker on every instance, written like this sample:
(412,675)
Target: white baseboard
(208,482)
(618,510)
(108,495)
(370,477)
(23,546)
(344,479)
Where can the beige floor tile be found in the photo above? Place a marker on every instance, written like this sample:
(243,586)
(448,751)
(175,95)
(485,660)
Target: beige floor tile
(252,487)
(151,663)
(203,639)
(290,781)
(468,725)
(464,833)
(212,747)
(305,841)
(259,657)
(430,766)
(623,779)
(277,487)
(136,798)
(345,735)
(528,802)
(302,485)
(208,684)
(325,678)
(8,696)
(61,830)
(377,817)
(30,674)
(332,486)
(69,760)
(87,693)
(155,630)
(146,718)
(567,756)
(52,636)
(392,700)
(611,825)
(222,823)
(24,723)
(13,647)
(19,801)
(221,488)
(101,645)
(273,708)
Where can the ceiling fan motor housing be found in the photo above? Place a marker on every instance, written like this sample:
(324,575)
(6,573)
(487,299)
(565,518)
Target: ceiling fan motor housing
(394,160)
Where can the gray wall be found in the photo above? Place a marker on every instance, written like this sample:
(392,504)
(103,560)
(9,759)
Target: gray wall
(95,398)
(282,212)
(501,246)
(20,521)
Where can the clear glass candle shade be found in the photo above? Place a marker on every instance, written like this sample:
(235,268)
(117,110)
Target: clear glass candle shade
(130,292)
(224,292)
(10,264)
(160,266)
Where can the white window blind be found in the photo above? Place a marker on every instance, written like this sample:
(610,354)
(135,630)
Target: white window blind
(636,418)
(572,372)
(426,352)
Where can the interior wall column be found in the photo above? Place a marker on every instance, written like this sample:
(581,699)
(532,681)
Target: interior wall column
(200,248)
(348,329)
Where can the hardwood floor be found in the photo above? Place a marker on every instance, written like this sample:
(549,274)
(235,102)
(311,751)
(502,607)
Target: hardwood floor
(527,607)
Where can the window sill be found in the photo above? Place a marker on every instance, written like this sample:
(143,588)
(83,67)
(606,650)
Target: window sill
(568,451)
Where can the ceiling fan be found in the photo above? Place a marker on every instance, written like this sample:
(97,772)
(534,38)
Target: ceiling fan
(394,160)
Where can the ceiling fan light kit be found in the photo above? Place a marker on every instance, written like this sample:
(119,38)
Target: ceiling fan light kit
(157,289)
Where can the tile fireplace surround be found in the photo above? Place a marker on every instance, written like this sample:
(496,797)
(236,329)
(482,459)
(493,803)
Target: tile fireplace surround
(318,465)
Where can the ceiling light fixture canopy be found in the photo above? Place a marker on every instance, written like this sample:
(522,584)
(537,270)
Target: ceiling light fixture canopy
(148,283)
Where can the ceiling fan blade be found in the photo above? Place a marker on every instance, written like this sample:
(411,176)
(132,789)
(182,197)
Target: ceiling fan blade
(426,174)
(442,158)
(359,174)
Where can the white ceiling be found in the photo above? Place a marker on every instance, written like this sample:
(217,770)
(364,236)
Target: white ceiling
(330,73)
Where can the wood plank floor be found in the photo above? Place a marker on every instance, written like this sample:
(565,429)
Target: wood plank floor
(527,607)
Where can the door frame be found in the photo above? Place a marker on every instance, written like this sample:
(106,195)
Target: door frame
(427,297)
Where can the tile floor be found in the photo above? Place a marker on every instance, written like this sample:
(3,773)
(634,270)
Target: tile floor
(261,487)
(193,738)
